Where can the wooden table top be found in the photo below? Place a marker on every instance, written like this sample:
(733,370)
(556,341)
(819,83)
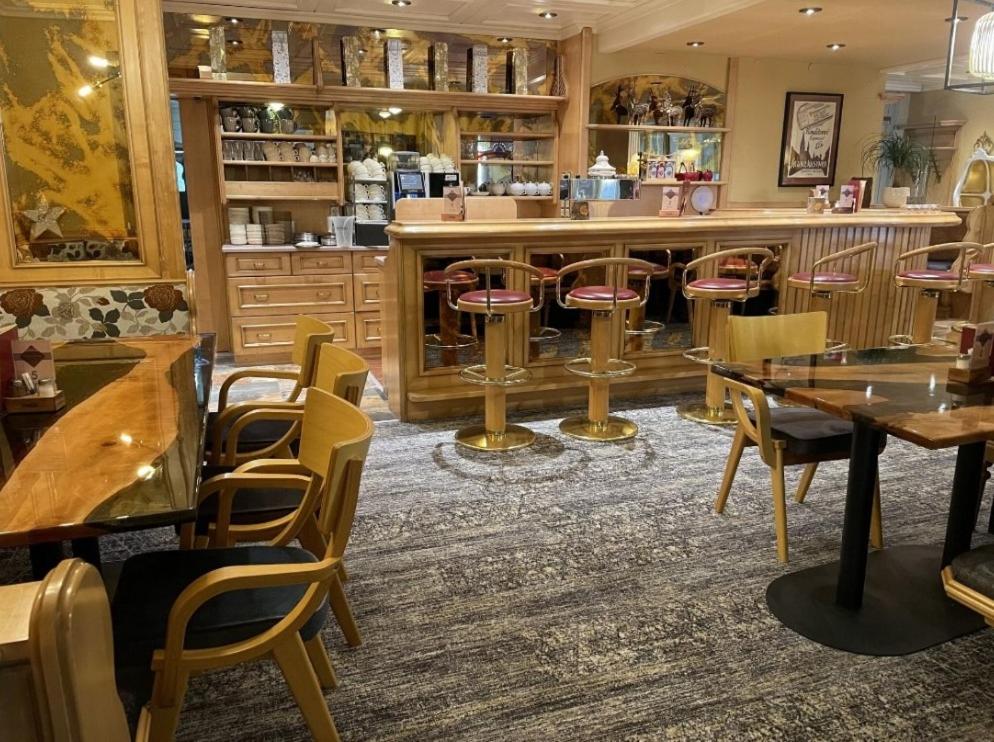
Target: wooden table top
(903,391)
(124,453)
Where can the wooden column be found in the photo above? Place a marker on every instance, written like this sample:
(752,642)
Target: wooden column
(573,116)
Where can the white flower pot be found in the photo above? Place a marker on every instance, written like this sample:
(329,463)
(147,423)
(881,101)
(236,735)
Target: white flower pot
(896,198)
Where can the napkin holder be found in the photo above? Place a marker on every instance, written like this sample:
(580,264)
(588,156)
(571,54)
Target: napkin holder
(35,403)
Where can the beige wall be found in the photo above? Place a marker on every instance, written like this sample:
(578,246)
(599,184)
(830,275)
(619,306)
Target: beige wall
(757,103)
(978,113)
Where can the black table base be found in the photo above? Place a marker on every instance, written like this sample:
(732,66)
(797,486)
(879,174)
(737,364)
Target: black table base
(45,556)
(904,608)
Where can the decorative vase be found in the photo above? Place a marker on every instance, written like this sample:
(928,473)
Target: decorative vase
(896,198)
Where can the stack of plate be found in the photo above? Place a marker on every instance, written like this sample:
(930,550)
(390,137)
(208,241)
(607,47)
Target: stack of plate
(238,233)
(253,233)
(262,214)
(274,234)
(238,214)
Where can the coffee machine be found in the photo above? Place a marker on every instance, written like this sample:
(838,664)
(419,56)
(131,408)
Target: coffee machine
(406,178)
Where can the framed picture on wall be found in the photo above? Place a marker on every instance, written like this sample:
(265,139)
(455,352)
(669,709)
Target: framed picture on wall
(810,145)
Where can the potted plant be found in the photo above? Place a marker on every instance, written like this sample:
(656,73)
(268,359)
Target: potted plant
(907,159)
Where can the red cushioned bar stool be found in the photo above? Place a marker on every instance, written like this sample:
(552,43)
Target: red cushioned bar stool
(494,375)
(599,368)
(842,272)
(720,292)
(449,339)
(539,329)
(981,270)
(637,328)
(930,284)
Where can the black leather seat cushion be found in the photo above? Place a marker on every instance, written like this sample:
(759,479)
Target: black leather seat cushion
(257,435)
(811,432)
(150,584)
(975,569)
(251,506)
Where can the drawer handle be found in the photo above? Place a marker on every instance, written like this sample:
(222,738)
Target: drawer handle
(323,294)
(321,263)
(261,297)
(264,335)
(259,264)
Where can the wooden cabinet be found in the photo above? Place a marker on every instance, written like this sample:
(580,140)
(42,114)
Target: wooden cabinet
(268,289)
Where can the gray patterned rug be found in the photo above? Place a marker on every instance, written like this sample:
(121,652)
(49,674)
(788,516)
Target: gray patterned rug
(576,591)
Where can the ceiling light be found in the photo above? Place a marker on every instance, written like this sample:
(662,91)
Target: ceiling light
(981,59)
(695,44)
(505,39)
(385,152)
(809,11)
(385,114)
(547,14)
(233,21)
(234,42)
(395,110)
(85,91)
(362,52)
(400,3)
(275,106)
(835,47)
(101,63)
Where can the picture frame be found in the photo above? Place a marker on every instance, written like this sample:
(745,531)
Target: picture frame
(809,148)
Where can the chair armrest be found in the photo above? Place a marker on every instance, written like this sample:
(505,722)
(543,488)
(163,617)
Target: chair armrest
(857,251)
(272,466)
(226,486)
(252,373)
(759,432)
(228,418)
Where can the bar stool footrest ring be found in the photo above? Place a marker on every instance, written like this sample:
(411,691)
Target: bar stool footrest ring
(649,327)
(698,355)
(545,335)
(615,368)
(434,341)
(478,375)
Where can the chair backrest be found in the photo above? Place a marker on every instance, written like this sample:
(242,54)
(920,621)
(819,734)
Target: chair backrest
(334,443)
(774,335)
(308,337)
(72,657)
(341,372)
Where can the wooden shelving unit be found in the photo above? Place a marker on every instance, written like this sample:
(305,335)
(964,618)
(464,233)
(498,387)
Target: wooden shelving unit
(242,190)
(279,163)
(263,137)
(509,163)
(661,129)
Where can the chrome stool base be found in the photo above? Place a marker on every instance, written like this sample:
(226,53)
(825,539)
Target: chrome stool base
(478,438)
(585,429)
(699,412)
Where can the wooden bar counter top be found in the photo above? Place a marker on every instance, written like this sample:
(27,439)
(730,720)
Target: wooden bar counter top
(423,381)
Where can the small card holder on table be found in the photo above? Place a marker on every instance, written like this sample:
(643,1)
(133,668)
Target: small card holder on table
(973,366)
(35,403)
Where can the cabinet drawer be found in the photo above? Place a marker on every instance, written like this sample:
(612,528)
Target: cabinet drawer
(367,290)
(289,295)
(365,261)
(272,337)
(367,329)
(258,264)
(328,262)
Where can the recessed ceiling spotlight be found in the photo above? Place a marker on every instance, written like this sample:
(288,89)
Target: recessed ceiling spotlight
(234,42)
(233,21)
(695,44)
(505,39)
(101,63)
(400,3)
(809,11)
(385,114)
(547,14)
(835,47)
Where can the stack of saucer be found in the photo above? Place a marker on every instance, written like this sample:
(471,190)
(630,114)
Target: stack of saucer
(262,214)
(274,234)
(238,215)
(238,234)
(253,233)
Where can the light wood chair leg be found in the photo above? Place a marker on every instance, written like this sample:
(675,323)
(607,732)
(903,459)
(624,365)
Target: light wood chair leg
(731,467)
(300,676)
(876,521)
(343,612)
(805,483)
(342,571)
(161,719)
(322,662)
(187,535)
(780,506)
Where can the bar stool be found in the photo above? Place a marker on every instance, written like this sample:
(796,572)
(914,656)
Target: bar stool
(721,292)
(983,273)
(494,375)
(822,284)
(602,302)
(637,326)
(930,283)
(449,340)
(539,329)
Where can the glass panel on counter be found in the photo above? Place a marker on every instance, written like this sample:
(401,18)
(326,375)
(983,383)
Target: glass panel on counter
(66,165)
(740,267)
(666,321)
(656,154)
(557,334)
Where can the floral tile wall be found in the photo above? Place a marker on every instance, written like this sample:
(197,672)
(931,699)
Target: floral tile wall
(61,313)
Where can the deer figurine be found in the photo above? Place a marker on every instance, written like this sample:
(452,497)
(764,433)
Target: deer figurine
(672,112)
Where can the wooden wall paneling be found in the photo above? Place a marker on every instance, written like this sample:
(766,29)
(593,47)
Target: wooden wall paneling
(207,219)
(728,138)
(574,113)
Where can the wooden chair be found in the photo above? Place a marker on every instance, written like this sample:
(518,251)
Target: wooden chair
(72,658)
(784,436)
(337,371)
(309,335)
(186,612)
(970,580)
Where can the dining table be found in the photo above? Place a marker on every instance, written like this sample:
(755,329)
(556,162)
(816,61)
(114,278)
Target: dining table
(125,453)
(888,601)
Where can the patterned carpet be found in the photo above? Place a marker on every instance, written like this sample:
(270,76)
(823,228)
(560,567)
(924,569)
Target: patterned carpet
(576,591)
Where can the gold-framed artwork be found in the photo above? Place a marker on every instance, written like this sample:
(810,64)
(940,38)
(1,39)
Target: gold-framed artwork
(810,145)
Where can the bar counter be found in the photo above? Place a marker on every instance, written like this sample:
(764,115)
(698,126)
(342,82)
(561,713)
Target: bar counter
(423,382)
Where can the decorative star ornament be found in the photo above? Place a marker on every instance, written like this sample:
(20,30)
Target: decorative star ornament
(44,219)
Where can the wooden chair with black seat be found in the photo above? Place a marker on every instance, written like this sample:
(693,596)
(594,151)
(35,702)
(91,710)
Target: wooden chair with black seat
(180,613)
(969,580)
(784,436)
(309,335)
